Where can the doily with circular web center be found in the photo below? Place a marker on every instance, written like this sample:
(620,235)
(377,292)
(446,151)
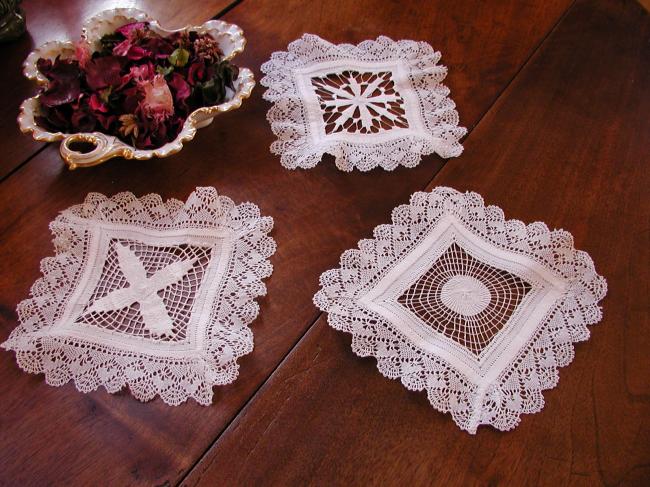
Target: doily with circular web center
(150,294)
(478,310)
(379,103)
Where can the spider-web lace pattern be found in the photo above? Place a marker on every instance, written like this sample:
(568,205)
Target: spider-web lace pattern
(518,389)
(289,117)
(225,332)
(465,299)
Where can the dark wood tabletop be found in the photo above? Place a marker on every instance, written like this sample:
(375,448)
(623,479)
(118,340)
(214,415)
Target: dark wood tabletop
(555,95)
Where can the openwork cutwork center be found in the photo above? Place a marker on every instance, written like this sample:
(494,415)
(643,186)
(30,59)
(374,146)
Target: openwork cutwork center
(359,102)
(465,299)
(147,291)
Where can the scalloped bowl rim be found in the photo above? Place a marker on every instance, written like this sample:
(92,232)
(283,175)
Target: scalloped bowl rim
(195,120)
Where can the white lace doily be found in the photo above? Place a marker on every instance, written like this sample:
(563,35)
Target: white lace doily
(150,294)
(478,310)
(378,103)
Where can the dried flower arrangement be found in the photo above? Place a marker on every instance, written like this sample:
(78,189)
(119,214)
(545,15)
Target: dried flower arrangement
(140,86)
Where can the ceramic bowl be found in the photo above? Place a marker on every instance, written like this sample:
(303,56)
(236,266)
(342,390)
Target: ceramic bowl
(231,40)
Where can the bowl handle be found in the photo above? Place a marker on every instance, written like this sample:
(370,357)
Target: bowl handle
(105,147)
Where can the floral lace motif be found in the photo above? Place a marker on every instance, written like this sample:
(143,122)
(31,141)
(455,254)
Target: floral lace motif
(478,310)
(380,103)
(150,294)
(359,102)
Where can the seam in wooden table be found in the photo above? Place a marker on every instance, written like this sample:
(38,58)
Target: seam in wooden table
(428,184)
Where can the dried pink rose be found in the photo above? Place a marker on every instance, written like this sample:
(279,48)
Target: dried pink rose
(129,47)
(127,29)
(130,51)
(196,73)
(143,72)
(158,102)
(82,53)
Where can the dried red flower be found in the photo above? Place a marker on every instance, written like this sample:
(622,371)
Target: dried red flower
(103,71)
(64,81)
(181,89)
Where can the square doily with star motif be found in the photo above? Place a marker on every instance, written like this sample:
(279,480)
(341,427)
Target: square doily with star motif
(379,103)
(150,294)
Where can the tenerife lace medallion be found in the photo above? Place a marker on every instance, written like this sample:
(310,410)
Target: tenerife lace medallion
(359,103)
(378,103)
(150,294)
(478,310)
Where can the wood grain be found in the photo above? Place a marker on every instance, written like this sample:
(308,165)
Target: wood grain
(567,143)
(318,214)
(47,21)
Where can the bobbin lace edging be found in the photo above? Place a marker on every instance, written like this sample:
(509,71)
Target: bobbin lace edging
(41,348)
(518,388)
(294,118)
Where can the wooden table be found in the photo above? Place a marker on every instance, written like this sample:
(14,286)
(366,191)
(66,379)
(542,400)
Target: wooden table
(556,98)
